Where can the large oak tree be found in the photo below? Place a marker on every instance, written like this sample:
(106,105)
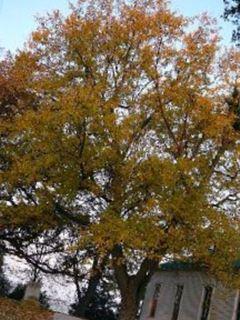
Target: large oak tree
(134,138)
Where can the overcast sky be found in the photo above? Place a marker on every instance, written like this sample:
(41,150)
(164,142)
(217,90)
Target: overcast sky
(17,17)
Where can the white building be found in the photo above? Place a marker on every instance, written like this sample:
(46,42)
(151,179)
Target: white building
(181,292)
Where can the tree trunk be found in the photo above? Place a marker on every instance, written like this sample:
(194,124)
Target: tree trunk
(129,305)
(97,270)
(87,298)
(131,286)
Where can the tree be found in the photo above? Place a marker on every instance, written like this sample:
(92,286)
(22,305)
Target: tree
(232,12)
(101,306)
(133,139)
(233,102)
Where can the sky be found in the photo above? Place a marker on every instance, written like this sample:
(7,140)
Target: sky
(17,17)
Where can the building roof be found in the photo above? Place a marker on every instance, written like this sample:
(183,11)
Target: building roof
(178,265)
(181,266)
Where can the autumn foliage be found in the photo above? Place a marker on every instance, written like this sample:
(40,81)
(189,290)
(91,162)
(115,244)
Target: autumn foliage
(128,132)
(27,310)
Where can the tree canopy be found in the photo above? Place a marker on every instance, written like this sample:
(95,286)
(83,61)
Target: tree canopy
(128,132)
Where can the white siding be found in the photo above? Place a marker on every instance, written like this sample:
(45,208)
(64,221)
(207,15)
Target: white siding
(222,302)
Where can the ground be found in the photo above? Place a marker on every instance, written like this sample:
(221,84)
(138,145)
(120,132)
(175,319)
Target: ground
(25,310)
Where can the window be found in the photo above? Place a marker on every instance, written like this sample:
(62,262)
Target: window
(177,301)
(155,301)
(206,302)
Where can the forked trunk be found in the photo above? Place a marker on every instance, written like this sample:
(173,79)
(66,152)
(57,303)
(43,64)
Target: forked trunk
(131,286)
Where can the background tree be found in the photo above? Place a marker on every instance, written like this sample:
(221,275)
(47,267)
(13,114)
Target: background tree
(233,102)
(132,140)
(232,12)
(103,304)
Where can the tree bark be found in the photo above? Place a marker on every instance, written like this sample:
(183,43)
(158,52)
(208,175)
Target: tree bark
(131,286)
(97,270)
(87,298)
(129,304)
